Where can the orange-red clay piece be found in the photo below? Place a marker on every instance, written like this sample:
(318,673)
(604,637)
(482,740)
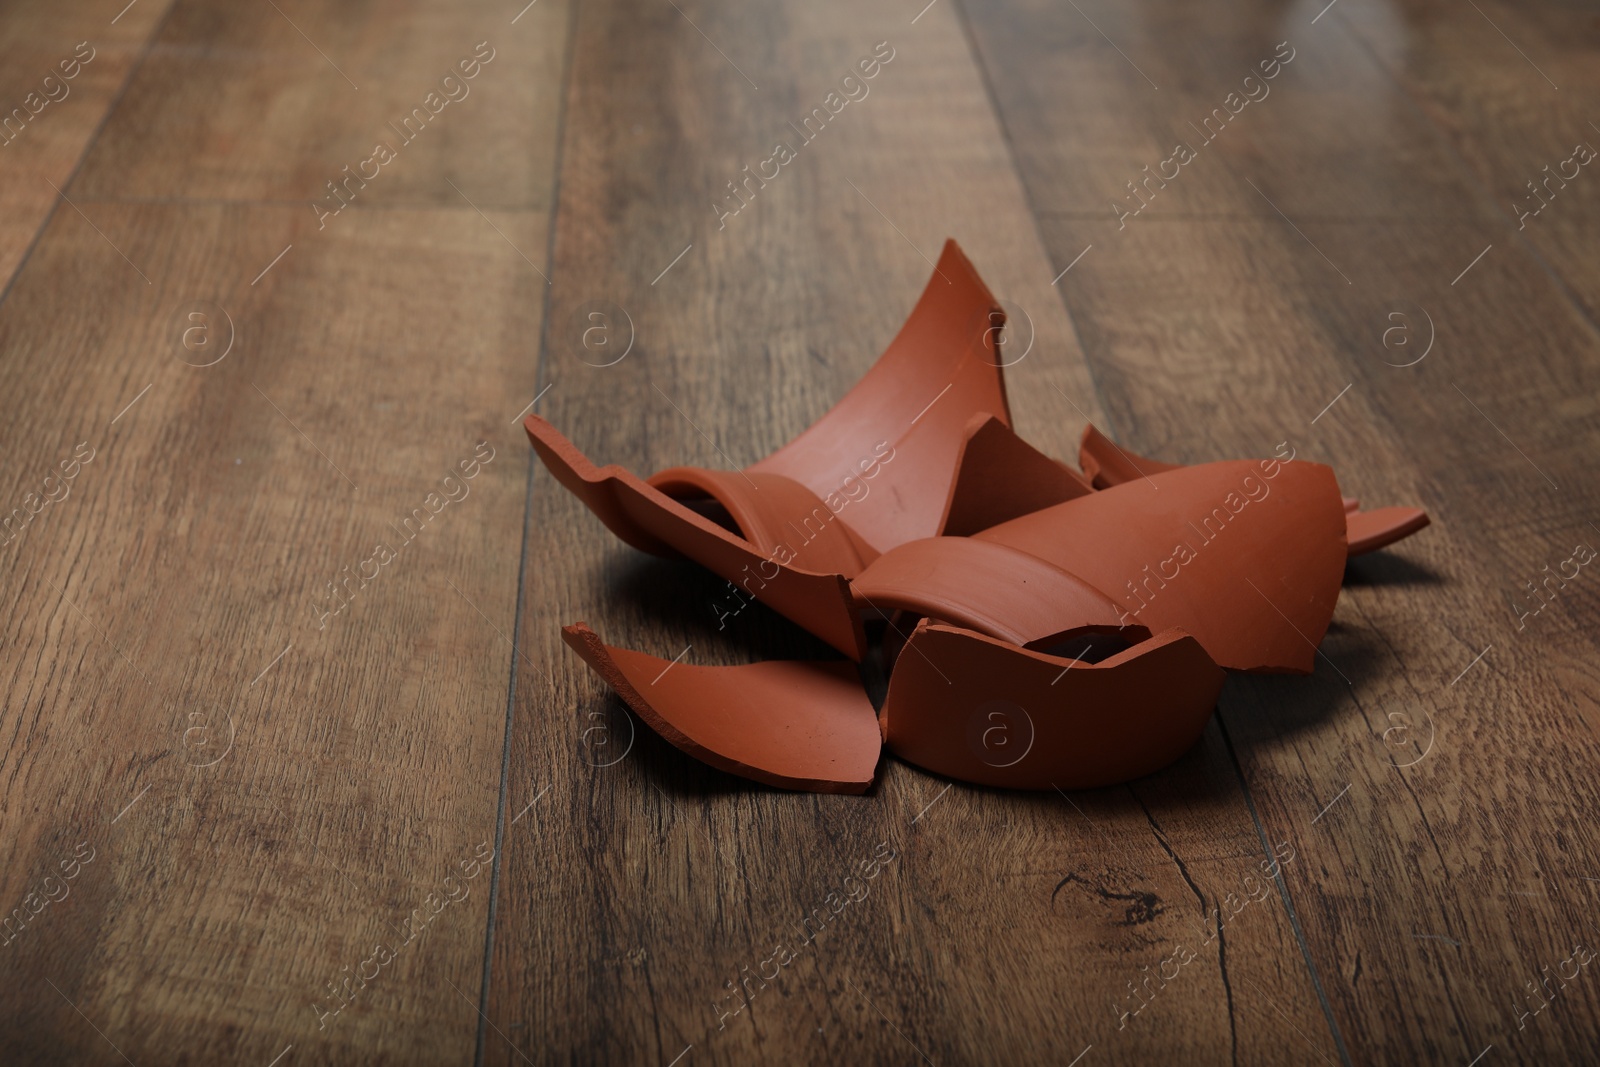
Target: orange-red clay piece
(1107,464)
(989,587)
(941,370)
(649,520)
(981,710)
(1245,555)
(913,494)
(790,724)
(999,476)
(1369,531)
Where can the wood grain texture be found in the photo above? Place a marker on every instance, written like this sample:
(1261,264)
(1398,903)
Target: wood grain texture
(218,795)
(150,607)
(270,784)
(273,101)
(1515,89)
(1434,892)
(45,127)
(1007,928)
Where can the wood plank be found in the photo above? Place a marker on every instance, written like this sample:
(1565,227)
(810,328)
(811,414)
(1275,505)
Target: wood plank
(148,611)
(52,123)
(273,101)
(1443,850)
(1430,893)
(1085,123)
(1514,89)
(1006,927)
(269,788)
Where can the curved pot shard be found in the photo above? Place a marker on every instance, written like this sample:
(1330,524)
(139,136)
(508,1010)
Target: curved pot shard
(983,711)
(988,587)
(1369,531)
(1245,555)
(941,369)
(999,476)
(791,724)
(1107,464)
(649,520)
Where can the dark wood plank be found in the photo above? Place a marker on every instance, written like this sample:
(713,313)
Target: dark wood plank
(1431,893)
(269,789)
(87,52)
(1007,927)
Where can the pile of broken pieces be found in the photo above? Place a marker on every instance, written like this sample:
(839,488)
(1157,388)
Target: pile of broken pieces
(1047,627)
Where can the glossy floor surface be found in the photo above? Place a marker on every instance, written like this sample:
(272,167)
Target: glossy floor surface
(275,276)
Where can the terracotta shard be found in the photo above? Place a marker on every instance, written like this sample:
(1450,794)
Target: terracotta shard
(777,515)
(596,487)
(979,710)
(999,476)
(793,725)
(1247,556)
(1369,531)
(988,587)
(648,519)
(889,450)
(1107,464)
(914,405)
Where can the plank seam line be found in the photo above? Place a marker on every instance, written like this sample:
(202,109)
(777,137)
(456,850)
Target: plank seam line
(569,77)
(88,146)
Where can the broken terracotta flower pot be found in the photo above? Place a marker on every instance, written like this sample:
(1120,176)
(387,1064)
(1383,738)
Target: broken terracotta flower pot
(914,499)
(980,710)
(794,725)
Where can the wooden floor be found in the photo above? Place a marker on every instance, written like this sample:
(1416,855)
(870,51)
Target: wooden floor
(273,794)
